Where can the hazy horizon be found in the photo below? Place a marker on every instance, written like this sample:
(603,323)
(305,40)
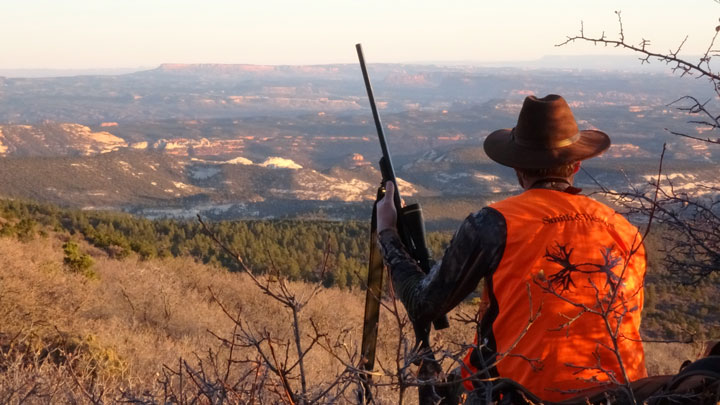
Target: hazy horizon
(78,34)
(578,62)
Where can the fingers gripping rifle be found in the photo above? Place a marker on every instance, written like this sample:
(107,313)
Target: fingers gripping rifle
(411,227)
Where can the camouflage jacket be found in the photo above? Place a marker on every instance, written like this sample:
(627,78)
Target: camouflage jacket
(474,252)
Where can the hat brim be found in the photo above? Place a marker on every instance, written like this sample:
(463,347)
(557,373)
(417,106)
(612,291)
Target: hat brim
(500,147)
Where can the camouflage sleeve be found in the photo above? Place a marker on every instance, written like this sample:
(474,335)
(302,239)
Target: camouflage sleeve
(474,252)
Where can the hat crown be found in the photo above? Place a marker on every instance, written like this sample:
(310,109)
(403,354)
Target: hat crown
(545,123)
(546,135)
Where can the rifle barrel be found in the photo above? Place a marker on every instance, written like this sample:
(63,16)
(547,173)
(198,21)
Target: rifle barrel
(378,125)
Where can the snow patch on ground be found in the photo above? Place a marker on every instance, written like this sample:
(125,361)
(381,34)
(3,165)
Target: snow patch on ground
(682,183)
(671,176)
(447,177)
(694,189)
(277,162)
(191,212)
(407,188)
(3,148)
(312,185)
(317,186)
(486,177)
(240,161)
(202,173)
(181,186)
(124,165)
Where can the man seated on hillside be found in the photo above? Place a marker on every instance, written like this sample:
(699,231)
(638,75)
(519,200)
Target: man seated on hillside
(563,273)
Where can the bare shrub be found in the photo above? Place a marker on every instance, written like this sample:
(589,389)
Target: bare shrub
(154,331)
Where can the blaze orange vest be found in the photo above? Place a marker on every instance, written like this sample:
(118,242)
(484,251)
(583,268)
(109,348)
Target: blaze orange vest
(568,259)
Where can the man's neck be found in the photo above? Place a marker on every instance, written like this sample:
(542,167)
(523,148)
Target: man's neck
(554,183)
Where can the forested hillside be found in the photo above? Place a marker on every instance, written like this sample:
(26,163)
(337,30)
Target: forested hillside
(329,252)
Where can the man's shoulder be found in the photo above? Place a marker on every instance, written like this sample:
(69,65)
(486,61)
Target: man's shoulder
(483,229)
(487,213)
(550,198)
(484,220)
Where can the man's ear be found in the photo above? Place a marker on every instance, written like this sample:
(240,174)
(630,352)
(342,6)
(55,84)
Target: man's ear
(576,167)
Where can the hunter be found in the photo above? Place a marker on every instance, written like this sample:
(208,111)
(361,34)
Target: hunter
(563,273)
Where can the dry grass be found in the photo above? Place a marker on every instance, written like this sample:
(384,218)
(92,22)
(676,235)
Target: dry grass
(66,338)
(666,358)
(144,316)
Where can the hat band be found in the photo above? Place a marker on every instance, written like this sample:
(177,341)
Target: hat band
(561,143)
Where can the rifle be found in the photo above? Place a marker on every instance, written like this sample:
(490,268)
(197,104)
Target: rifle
(411,227)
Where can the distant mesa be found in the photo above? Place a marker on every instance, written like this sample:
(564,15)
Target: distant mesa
(230,70)
(279,91)
(522,92)
(139,145)
(214,67)
(356,160)
(408,79)
(639,108)
(108,124)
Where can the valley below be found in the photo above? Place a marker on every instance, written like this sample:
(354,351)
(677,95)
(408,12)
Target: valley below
(247,141)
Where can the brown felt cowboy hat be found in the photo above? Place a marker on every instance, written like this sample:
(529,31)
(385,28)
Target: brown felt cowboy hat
(546,136)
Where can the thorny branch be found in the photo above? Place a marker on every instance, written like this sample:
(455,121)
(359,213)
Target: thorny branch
(690,223)
(690,220)
(700,69)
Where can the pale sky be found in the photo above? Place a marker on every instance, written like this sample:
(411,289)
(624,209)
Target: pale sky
(77,34)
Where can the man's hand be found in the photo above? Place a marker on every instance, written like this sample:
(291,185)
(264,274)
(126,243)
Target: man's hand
(386,213)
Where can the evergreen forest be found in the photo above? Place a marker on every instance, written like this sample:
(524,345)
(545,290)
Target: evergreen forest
(333,253)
